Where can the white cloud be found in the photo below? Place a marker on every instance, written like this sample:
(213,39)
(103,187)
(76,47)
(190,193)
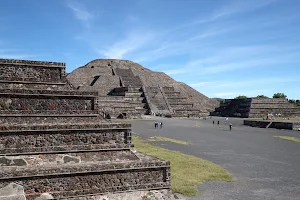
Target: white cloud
(131,43)
(80,11)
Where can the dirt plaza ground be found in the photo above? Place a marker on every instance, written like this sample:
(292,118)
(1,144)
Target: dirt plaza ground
(262,167)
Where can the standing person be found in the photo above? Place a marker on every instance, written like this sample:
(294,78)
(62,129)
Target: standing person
(213,122)
(161,124)
(156,124)
(218,122)
(230,126)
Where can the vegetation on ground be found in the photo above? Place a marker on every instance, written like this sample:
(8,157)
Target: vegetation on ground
(279,95)
(241,97)
(164,139)
(262,96)
(293,139)
(186,171)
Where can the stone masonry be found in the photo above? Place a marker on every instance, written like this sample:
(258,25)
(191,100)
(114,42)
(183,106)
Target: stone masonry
(53,139)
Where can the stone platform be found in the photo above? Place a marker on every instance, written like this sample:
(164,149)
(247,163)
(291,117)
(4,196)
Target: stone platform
(53,139)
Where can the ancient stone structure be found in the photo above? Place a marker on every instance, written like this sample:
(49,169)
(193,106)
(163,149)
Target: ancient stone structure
(53,140)
(138,90)
(256,107)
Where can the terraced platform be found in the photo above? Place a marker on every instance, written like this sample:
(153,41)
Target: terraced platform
(56,141)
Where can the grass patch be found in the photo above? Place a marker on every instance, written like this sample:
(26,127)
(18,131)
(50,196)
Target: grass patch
(293,139)
(186,171)
(164,139)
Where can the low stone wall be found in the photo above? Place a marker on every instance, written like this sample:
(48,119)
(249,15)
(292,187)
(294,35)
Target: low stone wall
(265,123)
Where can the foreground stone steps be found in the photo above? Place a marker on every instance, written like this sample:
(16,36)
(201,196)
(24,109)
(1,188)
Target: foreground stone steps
(69,160)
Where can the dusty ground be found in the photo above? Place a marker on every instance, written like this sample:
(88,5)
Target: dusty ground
(262,167)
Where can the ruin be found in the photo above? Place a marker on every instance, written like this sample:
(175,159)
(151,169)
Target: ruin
(256,108)
(127,88)
(53,138)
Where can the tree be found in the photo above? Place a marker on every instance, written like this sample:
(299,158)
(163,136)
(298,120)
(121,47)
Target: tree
(279,95)
(262,96)
(241,97)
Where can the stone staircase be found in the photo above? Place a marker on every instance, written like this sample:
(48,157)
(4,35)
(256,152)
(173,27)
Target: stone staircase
(55,141)
(134,103)
(156,101)
(178,104)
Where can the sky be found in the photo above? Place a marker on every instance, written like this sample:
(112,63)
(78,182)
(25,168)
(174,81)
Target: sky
(222,48)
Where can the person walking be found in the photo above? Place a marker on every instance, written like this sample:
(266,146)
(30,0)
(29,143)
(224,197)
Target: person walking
(218,122)
(156,124)
(230,126)
(213,122)
(161,124)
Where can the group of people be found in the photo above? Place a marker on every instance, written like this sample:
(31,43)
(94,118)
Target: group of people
(218,122)
(158,124)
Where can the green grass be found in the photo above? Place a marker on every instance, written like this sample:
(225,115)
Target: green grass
(293,139)
(186,171)
(164,139)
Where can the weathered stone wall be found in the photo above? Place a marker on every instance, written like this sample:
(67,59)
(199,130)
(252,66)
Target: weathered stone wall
(65,140)
(34,104)
(94,183)
(30,74)
(16,101)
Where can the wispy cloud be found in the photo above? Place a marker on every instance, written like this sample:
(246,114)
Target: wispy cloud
(132,42)
(234,8)
(243,83)
(80,11)
(236,58)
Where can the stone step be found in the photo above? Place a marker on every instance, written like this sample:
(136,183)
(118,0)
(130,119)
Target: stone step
(75,179)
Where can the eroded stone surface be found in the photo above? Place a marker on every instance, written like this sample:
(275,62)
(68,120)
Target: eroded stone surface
(12,161)
(12,192)
(136,195)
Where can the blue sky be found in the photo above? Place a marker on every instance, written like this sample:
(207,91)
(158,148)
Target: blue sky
(222,48)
